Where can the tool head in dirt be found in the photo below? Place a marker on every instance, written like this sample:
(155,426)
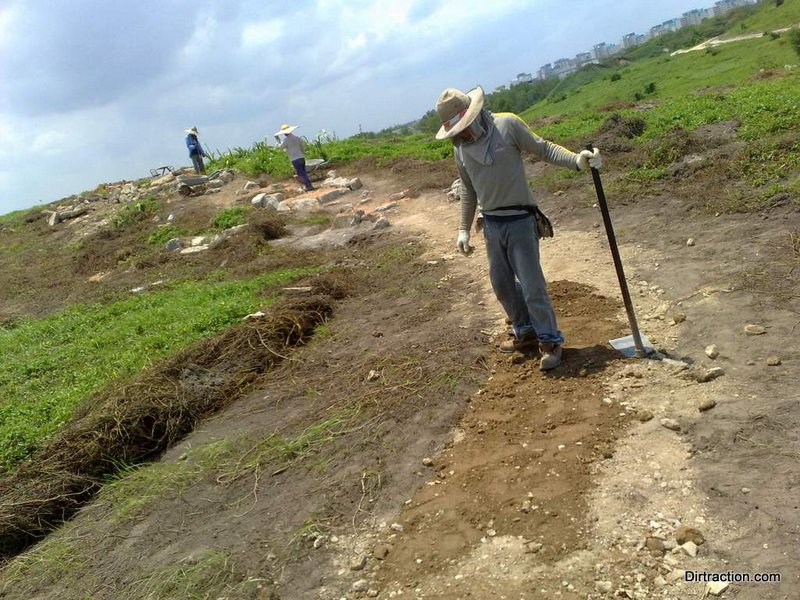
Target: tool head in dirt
(627,346)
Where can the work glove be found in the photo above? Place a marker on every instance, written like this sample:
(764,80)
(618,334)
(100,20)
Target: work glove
(589,159)
(463,242)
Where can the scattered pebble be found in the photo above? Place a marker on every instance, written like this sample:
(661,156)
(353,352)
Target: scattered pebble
(690,242)
(671,424)
(685,533)
(709,374)
(678,318)
(689,548)
(712,351)
(706,404)
(373,375)
(604,586)
(427,461)
(751,329)
(358,564)
(362,585)
(644,415)
(773,361)
(715,588)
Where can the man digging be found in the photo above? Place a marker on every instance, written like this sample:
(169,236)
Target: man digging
(488,151)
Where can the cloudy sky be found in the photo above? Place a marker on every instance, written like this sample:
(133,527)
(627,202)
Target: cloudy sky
(97,91)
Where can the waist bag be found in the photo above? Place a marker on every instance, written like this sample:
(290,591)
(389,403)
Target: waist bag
(543,225)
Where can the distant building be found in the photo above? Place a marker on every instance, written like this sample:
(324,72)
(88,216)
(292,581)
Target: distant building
(671,25)
(604,50)
(723,6)
(563,67)
(523,78)
(546,71)
(694,17)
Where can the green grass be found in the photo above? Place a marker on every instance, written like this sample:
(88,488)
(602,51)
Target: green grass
(165,233)
(262,158)
(768,18)
(48,366)
(230,217)
(136,211)
(134,488)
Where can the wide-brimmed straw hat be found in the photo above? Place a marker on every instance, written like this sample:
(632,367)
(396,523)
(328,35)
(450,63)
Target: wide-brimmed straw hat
(191,130)
(286,129)
(457,110)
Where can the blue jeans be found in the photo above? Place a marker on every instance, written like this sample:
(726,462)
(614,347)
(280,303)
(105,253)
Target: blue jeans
(517,277)
(299,165)
(197,162)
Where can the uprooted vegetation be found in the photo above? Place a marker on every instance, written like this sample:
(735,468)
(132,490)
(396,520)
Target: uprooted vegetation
(139,420)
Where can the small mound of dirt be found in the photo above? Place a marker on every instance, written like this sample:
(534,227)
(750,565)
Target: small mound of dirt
(268,225)
(620,126)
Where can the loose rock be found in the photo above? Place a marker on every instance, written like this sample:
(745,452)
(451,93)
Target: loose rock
(684,534)
(716,588)
(706,404)
(678,318)
(709,375)
(773,361)
(644,415)
(751,329)
(712,351)
(671,424)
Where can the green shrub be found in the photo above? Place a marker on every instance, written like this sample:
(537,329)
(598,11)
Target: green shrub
(794,40)
(230,217)
(133,212)
(164,234)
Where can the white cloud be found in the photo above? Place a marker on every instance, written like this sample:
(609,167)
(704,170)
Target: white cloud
(239,69)
(265,33)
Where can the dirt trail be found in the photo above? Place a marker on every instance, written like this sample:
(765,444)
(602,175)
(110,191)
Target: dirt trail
(565,485)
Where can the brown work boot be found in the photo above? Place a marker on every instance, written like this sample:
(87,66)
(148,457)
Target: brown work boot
(551,356)
(526,344)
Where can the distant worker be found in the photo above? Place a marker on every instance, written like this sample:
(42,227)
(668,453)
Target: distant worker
(295,147)
(196,152)
(488,151)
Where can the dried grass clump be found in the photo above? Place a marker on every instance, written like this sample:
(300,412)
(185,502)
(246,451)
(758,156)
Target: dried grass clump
(267,224)
(137,422)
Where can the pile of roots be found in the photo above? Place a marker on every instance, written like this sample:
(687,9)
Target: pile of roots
(138,421)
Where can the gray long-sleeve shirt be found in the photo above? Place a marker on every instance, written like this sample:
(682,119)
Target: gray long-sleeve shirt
(503,183)
(294,146)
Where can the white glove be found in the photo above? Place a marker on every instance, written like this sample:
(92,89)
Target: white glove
(463,242)
(587,160)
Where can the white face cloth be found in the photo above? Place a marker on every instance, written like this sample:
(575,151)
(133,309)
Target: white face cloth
(481,149)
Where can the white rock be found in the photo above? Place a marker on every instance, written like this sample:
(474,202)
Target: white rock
(712,351)
(690,242)
(690,548)
(715,588)
(671,424)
